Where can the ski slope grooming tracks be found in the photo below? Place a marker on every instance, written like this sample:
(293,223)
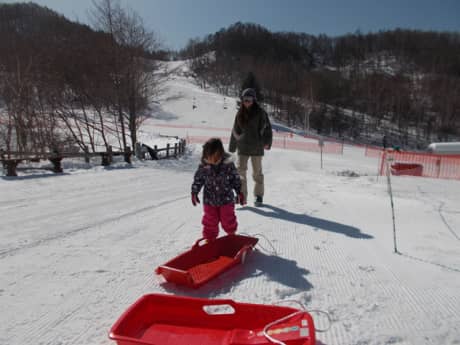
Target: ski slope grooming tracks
(77,249)
(57,215)
(331,238)
(374,296)
(96,254)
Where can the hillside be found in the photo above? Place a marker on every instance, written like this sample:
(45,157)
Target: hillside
(64,86)
(406,81)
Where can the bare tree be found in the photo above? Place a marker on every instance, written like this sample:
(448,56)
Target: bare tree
(132,71)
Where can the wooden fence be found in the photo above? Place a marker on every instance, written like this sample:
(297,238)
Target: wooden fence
(10,160)
(160,153)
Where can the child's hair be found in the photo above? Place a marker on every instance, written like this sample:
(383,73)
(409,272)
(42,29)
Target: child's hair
(212,146)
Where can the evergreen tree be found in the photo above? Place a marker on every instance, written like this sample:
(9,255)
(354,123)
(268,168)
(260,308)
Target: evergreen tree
(251,82)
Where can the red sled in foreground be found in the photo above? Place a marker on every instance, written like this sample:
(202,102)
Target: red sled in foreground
(157,319)
(200,264)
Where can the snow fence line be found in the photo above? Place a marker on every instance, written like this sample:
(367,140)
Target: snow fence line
(420,164)
(228,130)
(285,143)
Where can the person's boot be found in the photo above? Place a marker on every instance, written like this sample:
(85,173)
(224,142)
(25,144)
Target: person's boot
(259,201)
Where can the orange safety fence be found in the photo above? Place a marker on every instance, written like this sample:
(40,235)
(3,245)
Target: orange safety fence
(275,133)
(195,139)
(328,147)
(421,164)
(374,152)
(191,127)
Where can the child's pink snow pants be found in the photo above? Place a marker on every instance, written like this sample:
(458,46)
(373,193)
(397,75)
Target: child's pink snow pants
(224,214)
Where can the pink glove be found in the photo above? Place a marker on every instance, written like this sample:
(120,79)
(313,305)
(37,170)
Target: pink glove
(195,199)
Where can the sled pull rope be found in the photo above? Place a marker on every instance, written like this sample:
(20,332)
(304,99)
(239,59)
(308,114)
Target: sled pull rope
(316,311)
(271,324)
(273,252)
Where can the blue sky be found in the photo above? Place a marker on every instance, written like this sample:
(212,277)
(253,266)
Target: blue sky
(176,21)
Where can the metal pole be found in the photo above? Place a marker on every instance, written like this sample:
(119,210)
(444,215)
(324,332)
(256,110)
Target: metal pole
(390,192)
(321,144)
(305,123)
(311,102)
(321,156)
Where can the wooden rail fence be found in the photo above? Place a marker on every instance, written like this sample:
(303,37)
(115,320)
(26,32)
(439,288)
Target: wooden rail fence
(10,160)
(160,153)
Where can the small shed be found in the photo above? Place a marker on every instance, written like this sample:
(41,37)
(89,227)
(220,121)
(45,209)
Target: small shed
(450,148)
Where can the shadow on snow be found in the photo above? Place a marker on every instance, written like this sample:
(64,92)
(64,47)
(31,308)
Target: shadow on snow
(258,264)
(304,219)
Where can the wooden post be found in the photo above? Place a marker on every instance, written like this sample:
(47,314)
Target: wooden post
(11,166)
(139,151)
(110,154)
(56,159)
(155,152)
(128,154)
(57,167)
(167,150)
(86,150)
(175,149)
(107,156)
(2,157)
(104,159)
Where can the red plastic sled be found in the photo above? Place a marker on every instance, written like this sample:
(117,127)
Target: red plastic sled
(411,169)
(157,319)
(200,264)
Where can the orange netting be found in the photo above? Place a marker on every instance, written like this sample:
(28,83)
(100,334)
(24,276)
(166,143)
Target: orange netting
(375,152)
(421,164)
(285,143)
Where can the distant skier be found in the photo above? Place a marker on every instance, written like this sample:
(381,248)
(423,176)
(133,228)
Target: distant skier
(251,135)
(219,177)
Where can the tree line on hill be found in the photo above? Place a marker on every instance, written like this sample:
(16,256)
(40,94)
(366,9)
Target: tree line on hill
(64,85)
(401,83)
(67,86)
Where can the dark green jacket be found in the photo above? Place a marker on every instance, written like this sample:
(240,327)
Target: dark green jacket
(251,139)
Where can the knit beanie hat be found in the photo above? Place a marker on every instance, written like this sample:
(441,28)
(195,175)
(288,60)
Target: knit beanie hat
(249,93)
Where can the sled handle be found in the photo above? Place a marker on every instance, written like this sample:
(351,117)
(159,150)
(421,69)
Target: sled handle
(197,243)
(242,253)
(219,308)
(273,323)
(215,302)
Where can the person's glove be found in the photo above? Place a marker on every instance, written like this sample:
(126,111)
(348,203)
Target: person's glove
(241,200)
(195,199)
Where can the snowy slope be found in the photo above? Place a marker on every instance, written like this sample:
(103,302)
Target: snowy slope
(77,249)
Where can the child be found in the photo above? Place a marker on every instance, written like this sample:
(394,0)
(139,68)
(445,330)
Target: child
(219,176)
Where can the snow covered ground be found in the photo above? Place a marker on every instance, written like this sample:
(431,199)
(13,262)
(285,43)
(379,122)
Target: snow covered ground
(77,249)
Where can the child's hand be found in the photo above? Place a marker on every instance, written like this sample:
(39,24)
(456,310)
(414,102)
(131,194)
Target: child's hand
(195,199)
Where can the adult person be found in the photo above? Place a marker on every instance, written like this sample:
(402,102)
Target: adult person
(251,135)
